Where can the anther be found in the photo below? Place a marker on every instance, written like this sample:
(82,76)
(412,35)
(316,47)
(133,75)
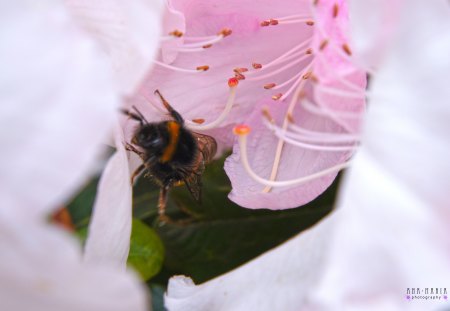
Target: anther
(240,70)
(277,96)
(239,76)
(290,118)
(207,46)
(198,121)
(307,75)
(314,78)
(315,2)
(265,23)
(232,82)
(267,115)
(176,33)
(203,68)
(308,51)
(257,66)
(273,22)
(335,10)
(310,23)
(241,129)
(323,45)
(346,49)
(268,86)
(225,32)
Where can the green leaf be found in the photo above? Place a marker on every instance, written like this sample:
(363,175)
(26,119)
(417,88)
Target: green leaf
(217,236)
(146,250)
(157,297)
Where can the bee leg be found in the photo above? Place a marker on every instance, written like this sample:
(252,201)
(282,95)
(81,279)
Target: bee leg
(162,201)
(132,148)
(136,173)
(177,117)
(135,116)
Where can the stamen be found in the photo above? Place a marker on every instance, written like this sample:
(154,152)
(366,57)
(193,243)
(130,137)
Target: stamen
(225,32)
(269,86)
(240,70)
(232,83)
(281,69)
(296,16)
(267,115)
(273,22)
(265,23)
(339,92)
(198,121)
(335,10)
(256,66)
(243,131)
(207,46)
(310,23)
(322,136)
(283,136)
(199,69)
(286,56)
(309,51)
(346,49)
(239,76)
(176,33)
(277,96)
(328,112)
(323,45)
(290,118)
(203,68)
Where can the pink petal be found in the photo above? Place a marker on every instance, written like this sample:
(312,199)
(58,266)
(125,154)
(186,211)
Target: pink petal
(110,227)
(127,31)
(295,162)
(394,215)
(280,279)
(173,21)
(204,94)
(58,105)
(41,269)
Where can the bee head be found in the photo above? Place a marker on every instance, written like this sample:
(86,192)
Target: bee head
(152,138)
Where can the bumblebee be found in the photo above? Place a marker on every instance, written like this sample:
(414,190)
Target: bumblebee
(171,153)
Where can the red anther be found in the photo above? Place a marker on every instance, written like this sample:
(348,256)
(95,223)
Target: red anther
(335,10)
(307,75)
(232,82)
(310,23)
(346,49)
(207,46)
(273,22)
(265,23)
(290,118)
(176,33)
(323,45)
(309,51)
(257,66)
(268,86)
(240,69)
(277,96)
(239,76)
(203,68)
(225,32)
(198,121)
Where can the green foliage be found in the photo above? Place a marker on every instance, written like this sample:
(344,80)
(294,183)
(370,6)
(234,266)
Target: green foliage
(146,250)
(204,240)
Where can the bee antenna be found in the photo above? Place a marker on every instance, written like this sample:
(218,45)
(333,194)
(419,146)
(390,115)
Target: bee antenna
(141,116)
(169,108)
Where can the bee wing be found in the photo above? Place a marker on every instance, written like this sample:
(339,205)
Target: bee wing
(194,185)
(207,146)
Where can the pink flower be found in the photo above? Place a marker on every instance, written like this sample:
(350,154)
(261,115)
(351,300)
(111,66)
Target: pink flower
(391,227)
(292,61)
(60,98)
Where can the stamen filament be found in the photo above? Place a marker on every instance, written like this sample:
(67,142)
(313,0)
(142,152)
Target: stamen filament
(309,135)
(228,106)
(327,112)
(279,133)
(272,73)
(283,57)
(201,68)
(242,139)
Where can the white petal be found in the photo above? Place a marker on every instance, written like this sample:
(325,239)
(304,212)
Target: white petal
(278,280)
(42,271)
(57,105)
(129,31)
(110,227)
(394,218)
